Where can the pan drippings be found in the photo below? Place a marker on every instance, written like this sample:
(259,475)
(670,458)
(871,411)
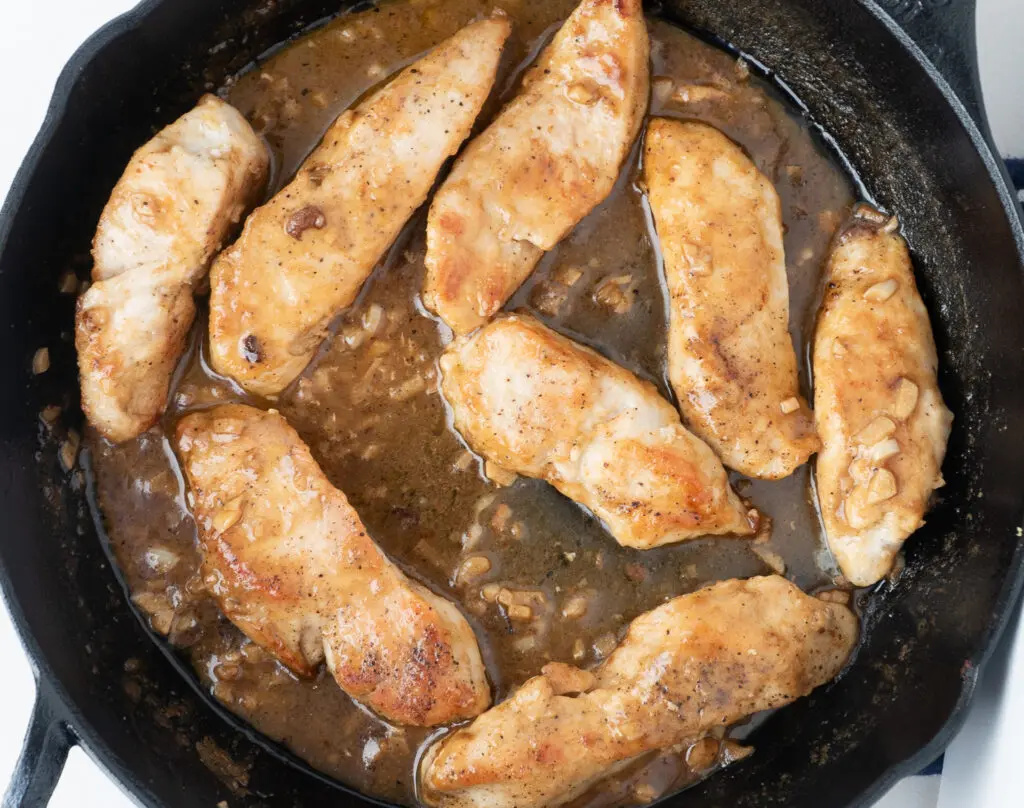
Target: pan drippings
(538,577)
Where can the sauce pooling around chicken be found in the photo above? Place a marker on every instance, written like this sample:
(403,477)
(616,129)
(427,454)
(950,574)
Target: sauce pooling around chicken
(539,579)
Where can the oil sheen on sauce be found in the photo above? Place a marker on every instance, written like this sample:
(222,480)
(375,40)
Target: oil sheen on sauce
(369,409)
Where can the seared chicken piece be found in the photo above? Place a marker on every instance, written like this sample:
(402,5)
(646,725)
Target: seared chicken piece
(880,415)
(536,403)
(547,160)
(296,571)
(731,358)
(700,661)
(176,202)
(304,255)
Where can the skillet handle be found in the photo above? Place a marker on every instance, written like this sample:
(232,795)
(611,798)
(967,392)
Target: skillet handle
(43,754)
(944,30)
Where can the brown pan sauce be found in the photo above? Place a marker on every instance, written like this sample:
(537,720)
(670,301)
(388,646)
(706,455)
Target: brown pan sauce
(369,408)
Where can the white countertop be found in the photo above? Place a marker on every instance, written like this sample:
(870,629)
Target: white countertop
(982,769)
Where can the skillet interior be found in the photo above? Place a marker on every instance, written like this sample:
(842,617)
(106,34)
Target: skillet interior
(915,158)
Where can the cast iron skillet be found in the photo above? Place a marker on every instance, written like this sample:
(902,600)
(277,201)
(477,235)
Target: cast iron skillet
(912,129)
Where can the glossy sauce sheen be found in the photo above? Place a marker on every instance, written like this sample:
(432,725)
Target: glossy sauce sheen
(369,409)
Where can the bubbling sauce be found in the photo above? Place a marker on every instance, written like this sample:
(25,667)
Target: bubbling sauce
(369,408)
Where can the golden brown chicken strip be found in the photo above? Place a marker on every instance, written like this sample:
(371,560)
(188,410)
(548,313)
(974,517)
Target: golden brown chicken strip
(304,255)
(880,414)
(730,355)
(297,572)
(700,661)
(176,202)
(552,155)
(536,403)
